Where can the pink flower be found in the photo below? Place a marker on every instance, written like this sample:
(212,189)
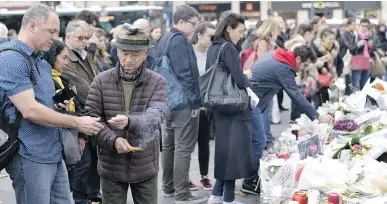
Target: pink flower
(356,148)
(313,148)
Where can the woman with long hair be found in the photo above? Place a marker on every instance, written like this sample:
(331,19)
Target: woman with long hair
(201,41)
(326,48)
(155,34)
(267,34)
(57,57)
(102,55)
(233,131)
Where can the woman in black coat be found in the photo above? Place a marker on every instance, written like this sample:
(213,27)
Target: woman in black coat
(57,57)
(380,41)
(233,133)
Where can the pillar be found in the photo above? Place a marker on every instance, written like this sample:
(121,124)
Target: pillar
(338,14)
(383,11)
(303,17)
(236,6)
(265,6)
(175,4)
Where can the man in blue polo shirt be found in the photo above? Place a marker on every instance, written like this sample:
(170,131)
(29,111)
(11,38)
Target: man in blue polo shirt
(38,172)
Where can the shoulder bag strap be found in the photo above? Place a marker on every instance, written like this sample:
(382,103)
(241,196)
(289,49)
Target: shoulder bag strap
(220,51)
(164,50)
(29,61)
(30,65)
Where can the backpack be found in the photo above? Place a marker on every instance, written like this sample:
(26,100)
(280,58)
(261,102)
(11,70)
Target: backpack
(9,141)
(253,57)
(177,99)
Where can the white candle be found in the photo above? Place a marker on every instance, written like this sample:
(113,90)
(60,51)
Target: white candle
(339,115)
(313,197)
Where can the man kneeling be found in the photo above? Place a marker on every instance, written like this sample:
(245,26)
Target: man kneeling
(132,101)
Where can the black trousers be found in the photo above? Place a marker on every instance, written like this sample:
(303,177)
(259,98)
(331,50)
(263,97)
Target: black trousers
(280,97)
(322,96)
(348,82)
(86,184)
(204,142)
(71,174)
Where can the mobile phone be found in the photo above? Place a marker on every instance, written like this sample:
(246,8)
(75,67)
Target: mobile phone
(64,95)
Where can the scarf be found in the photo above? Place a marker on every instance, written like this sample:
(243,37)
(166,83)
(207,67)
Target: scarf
(126,76)
(56,76)
(364,35)
(328,47)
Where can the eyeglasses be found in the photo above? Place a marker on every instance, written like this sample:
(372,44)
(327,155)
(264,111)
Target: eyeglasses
(81,38)
(193,24)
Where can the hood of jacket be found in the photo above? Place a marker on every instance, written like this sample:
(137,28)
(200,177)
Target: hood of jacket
(296,41)
(334,51)
(287,57)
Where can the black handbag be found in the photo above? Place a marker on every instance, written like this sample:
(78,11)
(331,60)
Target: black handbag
(222,92)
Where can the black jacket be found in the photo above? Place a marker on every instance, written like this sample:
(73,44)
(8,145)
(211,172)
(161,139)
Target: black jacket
(280,41)
(183,62)
(79,111)
(380,42)
(350,42)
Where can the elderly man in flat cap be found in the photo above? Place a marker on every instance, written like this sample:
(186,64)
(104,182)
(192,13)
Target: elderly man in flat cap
(132,101)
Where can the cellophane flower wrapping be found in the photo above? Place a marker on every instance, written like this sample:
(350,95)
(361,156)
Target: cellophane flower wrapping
(277,180)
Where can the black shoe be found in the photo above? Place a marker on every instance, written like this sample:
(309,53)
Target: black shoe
(97,199)
(251,188)
(283,109)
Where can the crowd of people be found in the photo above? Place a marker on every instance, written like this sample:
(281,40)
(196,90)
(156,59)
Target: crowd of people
(121,116)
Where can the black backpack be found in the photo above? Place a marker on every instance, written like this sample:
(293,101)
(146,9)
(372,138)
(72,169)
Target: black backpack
(11,146)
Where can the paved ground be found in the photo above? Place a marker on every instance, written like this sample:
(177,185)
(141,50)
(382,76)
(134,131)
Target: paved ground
(7,193)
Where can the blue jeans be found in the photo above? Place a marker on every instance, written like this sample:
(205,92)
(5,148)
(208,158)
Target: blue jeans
(359,78)
(266,116)
(39,183)
(226,189)
(259,137)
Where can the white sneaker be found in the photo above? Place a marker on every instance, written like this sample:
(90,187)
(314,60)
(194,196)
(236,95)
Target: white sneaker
(193,199)
(215,200)
(169,195)
(234,202)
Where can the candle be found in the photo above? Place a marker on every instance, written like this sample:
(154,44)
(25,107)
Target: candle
(339,115)
(334,198)
(313,197)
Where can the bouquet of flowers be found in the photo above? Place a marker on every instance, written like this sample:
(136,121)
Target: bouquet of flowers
(357,149)
(379,87)
(347,125)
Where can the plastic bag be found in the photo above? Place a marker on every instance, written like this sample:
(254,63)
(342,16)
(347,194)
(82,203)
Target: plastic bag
(318,175)
(277,179)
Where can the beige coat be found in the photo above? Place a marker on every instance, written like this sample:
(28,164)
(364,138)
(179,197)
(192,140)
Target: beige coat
(81,73)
